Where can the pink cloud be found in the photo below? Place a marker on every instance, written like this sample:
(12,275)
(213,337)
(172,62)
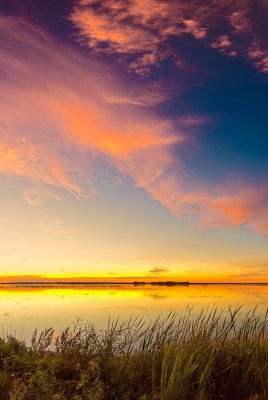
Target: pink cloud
(258,56)
(230,207)
(141,30)
(239,20)
(194,28)
(60,114)
(221,43)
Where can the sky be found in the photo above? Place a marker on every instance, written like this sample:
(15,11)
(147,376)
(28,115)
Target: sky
(133,140)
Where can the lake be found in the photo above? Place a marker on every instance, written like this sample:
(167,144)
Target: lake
(24,308)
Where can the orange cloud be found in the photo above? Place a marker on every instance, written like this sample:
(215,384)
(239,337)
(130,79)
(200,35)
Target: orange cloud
(56,120)
(246,207)
(121,132)
(141,29)
(61,113)
(258,56)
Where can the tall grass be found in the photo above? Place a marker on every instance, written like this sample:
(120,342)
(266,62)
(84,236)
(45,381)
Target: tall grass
(212,355)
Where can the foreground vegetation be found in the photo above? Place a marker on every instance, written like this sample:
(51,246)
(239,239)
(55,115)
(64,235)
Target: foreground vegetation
(206,357)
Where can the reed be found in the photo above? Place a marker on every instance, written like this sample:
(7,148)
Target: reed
(212,355)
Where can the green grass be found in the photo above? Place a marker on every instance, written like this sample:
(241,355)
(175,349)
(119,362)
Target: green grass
(213,355)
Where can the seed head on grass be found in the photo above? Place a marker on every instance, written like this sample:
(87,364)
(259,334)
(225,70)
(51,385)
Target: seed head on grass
(216,354)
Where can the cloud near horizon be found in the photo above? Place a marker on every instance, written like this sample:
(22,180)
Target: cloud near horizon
(158,270)
(60,115)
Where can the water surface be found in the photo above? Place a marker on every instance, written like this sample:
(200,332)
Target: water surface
(24,308)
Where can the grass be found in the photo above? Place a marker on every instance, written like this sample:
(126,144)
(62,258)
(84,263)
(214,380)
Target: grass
(213,355)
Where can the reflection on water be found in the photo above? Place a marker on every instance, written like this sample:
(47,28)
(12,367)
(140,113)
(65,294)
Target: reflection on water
(23,308)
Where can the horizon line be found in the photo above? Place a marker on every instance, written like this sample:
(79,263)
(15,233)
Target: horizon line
(167,283)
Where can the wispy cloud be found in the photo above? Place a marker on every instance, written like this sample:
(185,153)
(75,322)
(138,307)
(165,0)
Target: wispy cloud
(158,270)
(57,133)
(254,274)
(56,124)
(37,198)
(232,206)
(62,115)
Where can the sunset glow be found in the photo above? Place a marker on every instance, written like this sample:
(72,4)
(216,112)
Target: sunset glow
(133,141)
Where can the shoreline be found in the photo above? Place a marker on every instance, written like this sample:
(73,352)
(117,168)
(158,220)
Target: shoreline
(135,283)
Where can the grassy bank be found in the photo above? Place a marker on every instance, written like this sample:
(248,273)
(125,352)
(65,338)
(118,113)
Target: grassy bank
(206,357)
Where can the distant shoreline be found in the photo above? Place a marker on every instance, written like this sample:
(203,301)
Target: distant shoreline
(135,283)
